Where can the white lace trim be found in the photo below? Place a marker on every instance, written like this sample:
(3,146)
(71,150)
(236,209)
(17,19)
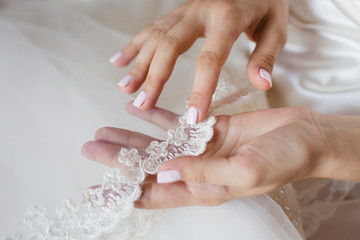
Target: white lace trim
(107,211)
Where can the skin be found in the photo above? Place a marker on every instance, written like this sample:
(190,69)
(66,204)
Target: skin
(293,143)
(221,22)
(251,153)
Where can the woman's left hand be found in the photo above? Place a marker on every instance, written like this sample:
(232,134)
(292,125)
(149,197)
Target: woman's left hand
(250,153)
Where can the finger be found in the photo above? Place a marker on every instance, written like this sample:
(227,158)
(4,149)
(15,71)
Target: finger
(237,171)
(104,153)
(269,42)
(176,41)
(150,178)
(138,72)
(131,50)
(109,142)
(179,194)
(131,82)
(158,116)
(156,196)
(208,66)
(123,137)
(107,154)
(182,194)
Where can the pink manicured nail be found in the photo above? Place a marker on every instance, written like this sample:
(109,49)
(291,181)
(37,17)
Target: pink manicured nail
(192,115)
(116,57)
(266,75)
(140,99)
(168,176)
(125,81)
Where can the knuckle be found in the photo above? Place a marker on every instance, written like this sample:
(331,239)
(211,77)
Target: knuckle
(194,171)
(157,33)
(200,177)
(228,14)
(138,68)
(152,83)
(197,96)
(197,5)
(267,60)
(208,59)
(228,9)
(149,28)
(169,41)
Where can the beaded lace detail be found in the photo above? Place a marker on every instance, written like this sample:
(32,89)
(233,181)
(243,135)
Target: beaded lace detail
(107,211)
(318,199)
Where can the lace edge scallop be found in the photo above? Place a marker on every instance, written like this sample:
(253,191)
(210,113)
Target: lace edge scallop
(104,208)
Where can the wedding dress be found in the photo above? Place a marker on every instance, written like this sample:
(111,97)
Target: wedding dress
(57,89)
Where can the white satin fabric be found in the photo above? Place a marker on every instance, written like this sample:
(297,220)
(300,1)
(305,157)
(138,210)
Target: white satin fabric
(57,88)
(320,68)
(320,65)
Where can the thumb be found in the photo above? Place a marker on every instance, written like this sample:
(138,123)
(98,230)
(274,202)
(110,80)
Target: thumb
(201,169)
(269,42)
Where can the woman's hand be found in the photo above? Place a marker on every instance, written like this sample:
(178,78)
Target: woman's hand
(251,153)
(159,45)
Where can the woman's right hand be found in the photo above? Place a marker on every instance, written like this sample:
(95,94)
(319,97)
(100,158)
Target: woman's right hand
(159,45)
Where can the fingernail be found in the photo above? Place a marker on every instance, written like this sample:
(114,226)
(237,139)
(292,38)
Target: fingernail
(115,57)
(192,115)
(140,99)
(125,81)
(168,176)
(266,75)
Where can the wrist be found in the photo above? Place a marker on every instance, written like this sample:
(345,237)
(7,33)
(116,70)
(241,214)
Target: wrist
(340,158)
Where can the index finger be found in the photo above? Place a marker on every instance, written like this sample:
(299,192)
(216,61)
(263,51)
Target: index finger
(208,66)
(157,116)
